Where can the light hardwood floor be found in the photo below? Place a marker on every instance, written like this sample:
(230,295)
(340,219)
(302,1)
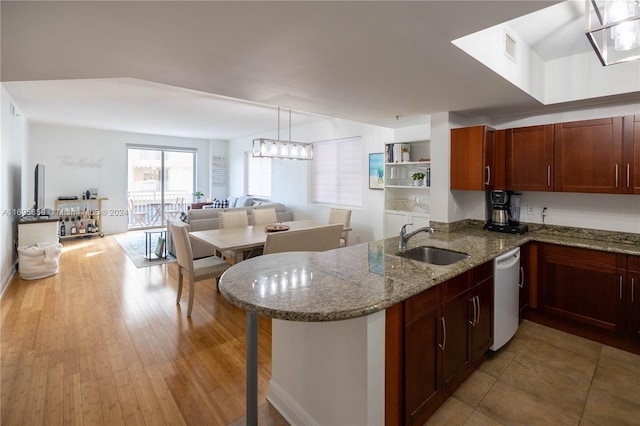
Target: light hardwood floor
(103,342)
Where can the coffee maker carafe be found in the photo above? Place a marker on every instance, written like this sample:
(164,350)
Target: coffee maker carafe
(500,208)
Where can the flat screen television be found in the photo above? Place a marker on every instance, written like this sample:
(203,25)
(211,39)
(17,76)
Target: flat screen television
(38,190)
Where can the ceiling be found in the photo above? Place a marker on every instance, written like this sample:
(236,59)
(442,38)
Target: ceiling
(217,70)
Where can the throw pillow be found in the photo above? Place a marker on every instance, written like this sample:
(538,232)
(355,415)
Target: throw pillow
(244,201)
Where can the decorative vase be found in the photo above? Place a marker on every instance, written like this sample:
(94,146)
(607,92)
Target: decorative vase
(417,182)
(405,157)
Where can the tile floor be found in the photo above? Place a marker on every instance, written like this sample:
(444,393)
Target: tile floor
(548,377)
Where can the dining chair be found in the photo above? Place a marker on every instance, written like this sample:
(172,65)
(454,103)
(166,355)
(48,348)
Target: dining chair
(342,216)
(196,270)
(233,218)
(266,216)
(137,215)
(320,238)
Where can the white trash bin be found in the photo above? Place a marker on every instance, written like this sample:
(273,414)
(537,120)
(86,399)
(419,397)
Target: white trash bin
(38,260)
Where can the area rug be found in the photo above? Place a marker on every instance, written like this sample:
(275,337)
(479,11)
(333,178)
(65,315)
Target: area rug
(133,244)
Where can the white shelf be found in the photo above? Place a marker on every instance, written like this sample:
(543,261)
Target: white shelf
(409,163)
(408,186)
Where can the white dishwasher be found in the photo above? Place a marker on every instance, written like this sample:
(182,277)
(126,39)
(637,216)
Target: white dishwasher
(506,297)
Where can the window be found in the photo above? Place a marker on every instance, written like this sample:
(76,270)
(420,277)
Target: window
(257,178)
(336,172)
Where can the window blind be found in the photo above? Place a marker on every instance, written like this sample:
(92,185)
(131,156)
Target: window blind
(257,175)
(336,172)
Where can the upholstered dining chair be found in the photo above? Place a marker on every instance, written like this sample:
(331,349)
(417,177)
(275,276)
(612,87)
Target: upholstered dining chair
(265,216)
(233,218)
(195,270)
(137,215)
(342,216)
(320,238)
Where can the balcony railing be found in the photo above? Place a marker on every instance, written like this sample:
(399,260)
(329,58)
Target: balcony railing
(145,207)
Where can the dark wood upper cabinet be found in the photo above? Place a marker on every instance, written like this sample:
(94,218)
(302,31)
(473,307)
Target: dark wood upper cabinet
(588,156)
(472,158)
(631,155)
(529,158)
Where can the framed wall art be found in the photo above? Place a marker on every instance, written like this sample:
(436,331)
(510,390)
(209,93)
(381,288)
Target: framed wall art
(376,170)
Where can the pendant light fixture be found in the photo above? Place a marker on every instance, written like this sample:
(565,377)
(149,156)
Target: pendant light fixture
(613,29)
(277,148)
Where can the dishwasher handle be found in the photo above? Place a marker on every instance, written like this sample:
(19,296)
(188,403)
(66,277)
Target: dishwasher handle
(507,260)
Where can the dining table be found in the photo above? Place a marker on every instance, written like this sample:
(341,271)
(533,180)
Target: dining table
(239,239)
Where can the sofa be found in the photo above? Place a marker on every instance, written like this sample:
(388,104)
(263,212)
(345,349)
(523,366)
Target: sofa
(207,218)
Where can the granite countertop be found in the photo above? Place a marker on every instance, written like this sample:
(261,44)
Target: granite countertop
(362,279)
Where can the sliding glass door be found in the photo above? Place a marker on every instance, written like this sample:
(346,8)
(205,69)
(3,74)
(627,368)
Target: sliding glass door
(160,183)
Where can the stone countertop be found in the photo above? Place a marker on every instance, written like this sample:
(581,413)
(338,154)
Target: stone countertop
(362,279)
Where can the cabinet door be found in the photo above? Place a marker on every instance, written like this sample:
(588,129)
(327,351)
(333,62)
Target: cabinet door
(631,155)
(482,330)
(583,285)
(392,223)
(524,278)
(472,158)
(422,386)
(456,321)
(588,156)
(633,280)
(529,158)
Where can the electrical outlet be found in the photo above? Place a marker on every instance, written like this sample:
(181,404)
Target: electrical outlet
(533,210)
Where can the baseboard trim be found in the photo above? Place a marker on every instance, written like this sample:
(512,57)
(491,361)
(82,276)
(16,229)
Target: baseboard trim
(6,281)
(288,408)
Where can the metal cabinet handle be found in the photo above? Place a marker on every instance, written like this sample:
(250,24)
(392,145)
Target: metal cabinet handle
(548,175)
(488,175)
(444,336)
(632,285)
(521,285)
(472,322)
(628,177)
(620,284)
(478,301)
(616,175)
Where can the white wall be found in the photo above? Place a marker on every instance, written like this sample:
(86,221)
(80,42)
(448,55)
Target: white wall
(290,177)
(329,373)
(77,159)
(13,149)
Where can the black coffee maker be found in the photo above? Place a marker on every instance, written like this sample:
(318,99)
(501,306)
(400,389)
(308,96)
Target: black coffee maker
(504,215)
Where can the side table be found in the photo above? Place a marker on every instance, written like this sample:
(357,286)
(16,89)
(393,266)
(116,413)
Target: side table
(162,252)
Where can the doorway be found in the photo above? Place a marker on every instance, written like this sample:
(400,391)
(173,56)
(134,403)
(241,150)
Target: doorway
(160,183)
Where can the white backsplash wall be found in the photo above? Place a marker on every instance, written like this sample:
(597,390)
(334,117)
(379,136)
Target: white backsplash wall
(595,211)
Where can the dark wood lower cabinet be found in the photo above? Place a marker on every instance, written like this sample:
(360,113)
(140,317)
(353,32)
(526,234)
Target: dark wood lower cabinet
(590,293)
(456,353)
(482,329)
(438,337)
(633,286)
(423,393)
(583,285)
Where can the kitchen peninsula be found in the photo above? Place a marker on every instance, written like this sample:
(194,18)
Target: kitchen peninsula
(329,352)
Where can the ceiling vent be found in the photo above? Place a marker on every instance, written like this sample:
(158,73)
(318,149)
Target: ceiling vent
(510,46)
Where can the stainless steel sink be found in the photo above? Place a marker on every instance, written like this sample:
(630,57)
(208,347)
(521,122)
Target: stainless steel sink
(433,255)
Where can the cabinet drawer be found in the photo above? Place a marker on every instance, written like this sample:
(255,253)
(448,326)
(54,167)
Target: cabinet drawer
(421,304)
(455,286)
(633,263)
(576,254)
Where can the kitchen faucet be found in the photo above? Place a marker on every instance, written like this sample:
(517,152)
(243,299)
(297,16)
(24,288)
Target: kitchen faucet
(404,237)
